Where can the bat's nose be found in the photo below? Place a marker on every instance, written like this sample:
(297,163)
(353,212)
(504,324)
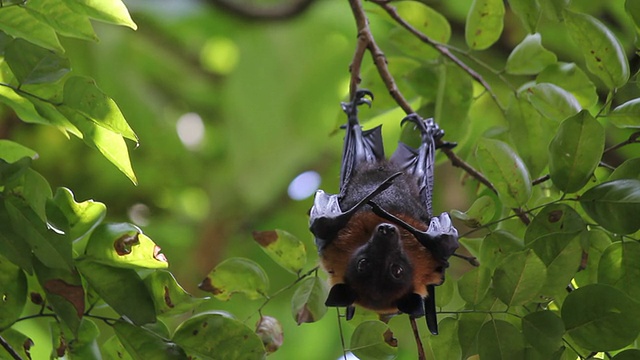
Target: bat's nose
(386,229)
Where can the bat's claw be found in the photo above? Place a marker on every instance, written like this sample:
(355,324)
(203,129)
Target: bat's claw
(427,127)
(360,97)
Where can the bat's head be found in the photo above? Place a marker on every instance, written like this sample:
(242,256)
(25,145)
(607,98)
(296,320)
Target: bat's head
(379,272)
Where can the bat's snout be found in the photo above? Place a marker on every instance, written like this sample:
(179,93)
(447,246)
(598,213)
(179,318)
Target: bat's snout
(386,229)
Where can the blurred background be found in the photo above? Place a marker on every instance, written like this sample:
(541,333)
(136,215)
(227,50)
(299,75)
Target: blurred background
(229,111)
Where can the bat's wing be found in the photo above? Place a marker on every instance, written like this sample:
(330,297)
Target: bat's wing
(327,218)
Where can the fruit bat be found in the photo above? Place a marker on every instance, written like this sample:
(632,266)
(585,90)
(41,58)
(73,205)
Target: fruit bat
(378,239)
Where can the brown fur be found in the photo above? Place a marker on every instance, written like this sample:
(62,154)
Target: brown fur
(335,258)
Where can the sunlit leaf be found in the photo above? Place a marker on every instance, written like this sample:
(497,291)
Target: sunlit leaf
(575,151)
(236,275)
(519,278)
(65,21)
(82,95)
(169,297)
(614,205)
(270,332)
(32,64)
(528,11)
(544,331)
(18,22)
(474,284)
(551,101)
(110,11)
(603,53)
(481,211)
(498,245)
(285,249)
(52,249)
(120,288)
(124,245)
(530,133)
(630,169)
(618,267)
(370,340)
(142,344)
(80,217)
(13,292)
(64,292)
(572,79)
(12,151)
(626,115)
(427,21)
(600,317)
(529,57)
(506,171)
(484,23)
(307,303)
(214,335)
(22,106)
(500,340)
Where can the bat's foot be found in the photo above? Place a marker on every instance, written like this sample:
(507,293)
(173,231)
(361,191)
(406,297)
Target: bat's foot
(360,97)
(429,129)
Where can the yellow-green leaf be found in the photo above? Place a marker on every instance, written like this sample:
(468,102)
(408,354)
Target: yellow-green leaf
(484,23)
(283,248)
(236,275)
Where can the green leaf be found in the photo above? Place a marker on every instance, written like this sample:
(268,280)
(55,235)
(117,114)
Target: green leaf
(82,95)
(307,303)
(484,23)
(236,275)
(32,64)
(528,11)
(561,254)
(22,106)
(120,288)
(36,191)
(79,217)
(481,211)
(168,296)
(427,21)
(112,349)
(633,9)
(143,344)
(110,144)
(64,292)
(453,101)
(572,79)
(469,325)
(575,152)
(629,354)
(603,53)
(18,22)
(12,246)
(552,101)
(124,245)
(552,9)
(519,278)
(18,341)
(285,249)
(12,175)
(11,151)
(52,249)
(529,57)
(474,284)
(110,11)
(600,317)
(618,267)
(544,331)
(60,17)
(598,241)
(498,245)
(626,115)
(500,340)
(614,205)
(554,219)
(530,133)
(373,340)
(506,171)
(13,292)
(446,345)
(214,335)
(630,169)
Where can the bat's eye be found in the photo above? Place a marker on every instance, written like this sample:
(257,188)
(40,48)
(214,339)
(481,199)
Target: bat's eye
(396,271)
(363,265)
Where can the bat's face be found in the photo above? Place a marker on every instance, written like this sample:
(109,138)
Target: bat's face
(379,272)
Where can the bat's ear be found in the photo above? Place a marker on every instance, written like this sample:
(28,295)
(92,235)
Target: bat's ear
(411,304)
(340,295)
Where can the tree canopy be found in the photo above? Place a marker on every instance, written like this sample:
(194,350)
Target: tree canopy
(158,160)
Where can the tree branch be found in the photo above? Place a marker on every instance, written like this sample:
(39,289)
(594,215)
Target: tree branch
(278,12)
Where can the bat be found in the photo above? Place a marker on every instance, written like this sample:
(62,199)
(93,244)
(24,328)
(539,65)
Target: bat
(377,239)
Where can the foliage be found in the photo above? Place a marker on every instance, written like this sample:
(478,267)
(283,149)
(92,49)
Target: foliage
(540,96)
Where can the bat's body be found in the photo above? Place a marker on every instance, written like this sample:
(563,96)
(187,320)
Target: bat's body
(378,239)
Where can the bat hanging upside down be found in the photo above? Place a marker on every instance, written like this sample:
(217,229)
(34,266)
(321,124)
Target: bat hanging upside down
(378,239)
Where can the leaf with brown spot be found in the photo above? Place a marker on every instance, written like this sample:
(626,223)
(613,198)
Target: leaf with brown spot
(72,293)
(372,340)
(284,248)
(18,341)
(307,303)
(168,296)
(236,275)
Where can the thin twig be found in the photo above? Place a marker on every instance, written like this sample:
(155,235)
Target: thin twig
(14,354)
(633,139)
(344,348)
(416,335)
